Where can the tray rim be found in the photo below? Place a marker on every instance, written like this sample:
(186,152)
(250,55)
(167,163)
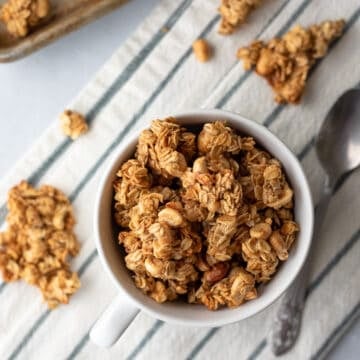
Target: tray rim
(56,29)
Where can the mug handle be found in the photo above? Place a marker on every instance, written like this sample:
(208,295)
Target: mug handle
(113,321)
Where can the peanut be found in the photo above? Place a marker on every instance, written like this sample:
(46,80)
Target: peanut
(217,272)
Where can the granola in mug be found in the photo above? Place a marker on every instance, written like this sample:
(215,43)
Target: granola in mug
(205,216)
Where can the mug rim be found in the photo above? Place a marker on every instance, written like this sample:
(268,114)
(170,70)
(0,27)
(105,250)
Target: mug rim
(305,190)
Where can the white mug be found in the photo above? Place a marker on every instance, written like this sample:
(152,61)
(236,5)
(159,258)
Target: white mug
(120,313)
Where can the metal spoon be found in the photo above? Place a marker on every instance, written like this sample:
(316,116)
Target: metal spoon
(338,150)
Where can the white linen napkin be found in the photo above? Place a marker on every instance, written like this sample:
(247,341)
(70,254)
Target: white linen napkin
(155,74)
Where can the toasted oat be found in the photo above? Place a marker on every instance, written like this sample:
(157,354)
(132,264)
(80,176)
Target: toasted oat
(261,258)
(231,291)
(202,50)
(285,62)
(234,13)
(38,242)
(208,215)
(20,16)
(73,124)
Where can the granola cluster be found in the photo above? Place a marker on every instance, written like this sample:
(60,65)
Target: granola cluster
(234,13)
(38,242)
(20,16)
(73,124)
(204,215)
(285,62)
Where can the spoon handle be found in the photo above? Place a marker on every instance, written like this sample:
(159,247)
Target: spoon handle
(286,325)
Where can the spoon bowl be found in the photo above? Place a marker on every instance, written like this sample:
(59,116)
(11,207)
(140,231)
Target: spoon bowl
(338,141)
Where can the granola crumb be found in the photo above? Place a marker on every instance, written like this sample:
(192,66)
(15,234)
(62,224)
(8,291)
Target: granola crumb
(285,62)
(164,29)
(202,50)
(73,124)
(234,13)
(38,241)
(21,16)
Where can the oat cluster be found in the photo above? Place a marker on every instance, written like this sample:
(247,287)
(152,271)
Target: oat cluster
(73,124)
(38,242)
(205,215)
(202,50)
(285,62)
(20,16)
(234,13)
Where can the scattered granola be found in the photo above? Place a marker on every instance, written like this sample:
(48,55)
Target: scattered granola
(38,241)
(202,50)
(285,62)
(234,13)
(73,124)
(20,16)
(205,216)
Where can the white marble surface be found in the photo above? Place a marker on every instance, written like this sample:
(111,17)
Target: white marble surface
(34,90)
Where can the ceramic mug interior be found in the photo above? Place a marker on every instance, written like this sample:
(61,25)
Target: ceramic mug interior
(198,315)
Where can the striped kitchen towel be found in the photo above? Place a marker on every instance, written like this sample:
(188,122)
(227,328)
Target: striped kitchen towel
(154,74)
